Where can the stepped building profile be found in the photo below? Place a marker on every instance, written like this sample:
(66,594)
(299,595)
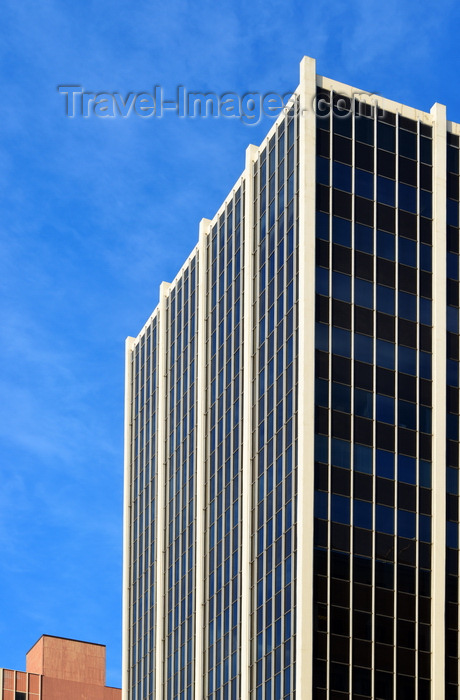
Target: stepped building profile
(292,422)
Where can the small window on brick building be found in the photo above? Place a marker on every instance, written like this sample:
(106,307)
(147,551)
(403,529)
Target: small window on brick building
(20,696)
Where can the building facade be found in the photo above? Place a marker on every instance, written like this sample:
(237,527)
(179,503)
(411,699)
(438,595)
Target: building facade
(59,669)
(291,433)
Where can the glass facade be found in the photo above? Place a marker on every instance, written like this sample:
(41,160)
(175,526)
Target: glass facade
(217,596)
(373,403)
(181,306)
(273,547)
(452,433)
(224,430)
(143,489)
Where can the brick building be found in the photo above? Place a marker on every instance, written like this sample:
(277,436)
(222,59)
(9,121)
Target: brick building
(58,669)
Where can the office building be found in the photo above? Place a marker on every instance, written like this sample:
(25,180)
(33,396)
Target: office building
(59,669)
(291,482)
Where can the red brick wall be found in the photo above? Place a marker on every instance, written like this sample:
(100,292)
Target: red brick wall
(68,659)
(56,689)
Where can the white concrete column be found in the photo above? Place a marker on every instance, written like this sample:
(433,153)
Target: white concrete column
(438,559)
(306,378)
(200,469)
(127,501)
(247,455)
(160,487)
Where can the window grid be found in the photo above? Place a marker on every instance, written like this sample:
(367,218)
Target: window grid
(181,314)
(343,332)
(275,372)
(452,420)
(143,525)
(223,449)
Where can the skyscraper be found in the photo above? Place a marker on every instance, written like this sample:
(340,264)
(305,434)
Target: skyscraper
(291,482)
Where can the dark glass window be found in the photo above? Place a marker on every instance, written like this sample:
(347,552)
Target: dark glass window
(407,279)
(385,464)
(362,484)
(386,136)
(384,519)
(385,327)
(341,112)
(342,149)
(364,266)
(341,231)
(406,469)
(407,144)
(341,204)
(364,211)
(452,186)
(341,259)
(322,170)
(362,544)
(362,430)
(340,565)
(384,573)
(322,225)
(322,143)
(385,299)
(386,164)
(323,107)
(385,410)
(364,184)
(385,245)
(384,681)
(341,397)
(340,509)
(364,157)
(363,403)
(407,171)
(364,320)
(407,304)
(364,293)
(385,491)
(341,286)
(452,160)
(426,177)
(364,129)
(386,191)
(407,333)
(386,272)
(362,625)
(364,238)
(383,629)
(362,514)
(341,314)
(363,459)
(339,677)
(406,524)
(386,217)
(407,224)
(452,212)
(407,198)
(363,376)
(363,348)
(341,176)
(407,251)
(385,382)
(385,354)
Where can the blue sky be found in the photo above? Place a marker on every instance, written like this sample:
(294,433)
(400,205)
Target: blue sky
(95,213)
